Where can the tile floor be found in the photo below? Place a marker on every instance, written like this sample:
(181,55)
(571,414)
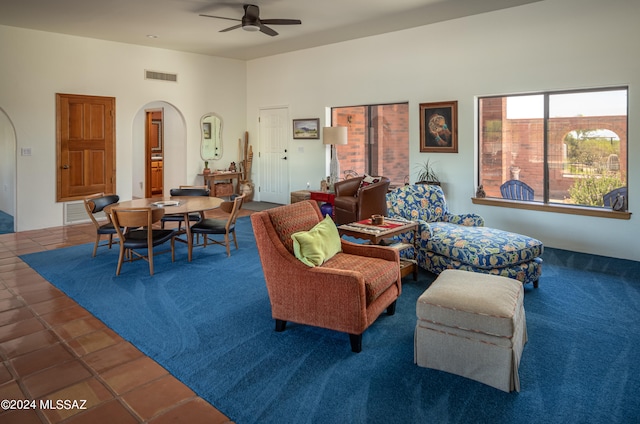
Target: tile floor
(54,352)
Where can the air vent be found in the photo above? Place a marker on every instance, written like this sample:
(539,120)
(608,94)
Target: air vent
(160,76)
(75,213)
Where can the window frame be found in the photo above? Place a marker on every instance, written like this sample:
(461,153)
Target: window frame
(544,205)
(372,138)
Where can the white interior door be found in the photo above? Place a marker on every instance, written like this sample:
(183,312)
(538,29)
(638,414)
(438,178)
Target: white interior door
(274,165)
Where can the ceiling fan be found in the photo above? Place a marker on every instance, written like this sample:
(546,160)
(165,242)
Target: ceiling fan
(251,21)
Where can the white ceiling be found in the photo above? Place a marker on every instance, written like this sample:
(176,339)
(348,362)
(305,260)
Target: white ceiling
(178,27)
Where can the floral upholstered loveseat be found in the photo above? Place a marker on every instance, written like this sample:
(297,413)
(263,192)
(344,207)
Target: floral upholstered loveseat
(451,241)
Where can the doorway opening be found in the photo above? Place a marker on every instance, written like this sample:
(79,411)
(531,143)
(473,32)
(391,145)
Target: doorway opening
(174,150)
(8,174)
(154,152)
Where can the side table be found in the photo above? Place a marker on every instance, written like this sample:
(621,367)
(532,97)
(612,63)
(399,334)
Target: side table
(324,196)
(375,234)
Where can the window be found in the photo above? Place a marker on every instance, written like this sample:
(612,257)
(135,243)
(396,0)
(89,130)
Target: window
(569,147)
(378,140)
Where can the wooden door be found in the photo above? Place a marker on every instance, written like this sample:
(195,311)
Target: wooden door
(154,170)
(85,140)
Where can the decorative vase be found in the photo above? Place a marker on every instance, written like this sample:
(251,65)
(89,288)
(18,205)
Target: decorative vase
(246,188)
(326,209)
(515,172)
(206,171)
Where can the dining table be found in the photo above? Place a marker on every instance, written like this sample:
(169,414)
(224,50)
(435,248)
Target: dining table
(184,205)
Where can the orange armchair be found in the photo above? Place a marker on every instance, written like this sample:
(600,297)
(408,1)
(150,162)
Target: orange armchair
(347,293)
(354,203)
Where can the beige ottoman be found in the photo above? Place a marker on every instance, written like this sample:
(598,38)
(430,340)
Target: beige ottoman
(473,325)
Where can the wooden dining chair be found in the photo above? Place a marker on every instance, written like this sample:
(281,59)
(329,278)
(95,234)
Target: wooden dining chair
(226,227)
(135,231)
(185,190)
(95,205)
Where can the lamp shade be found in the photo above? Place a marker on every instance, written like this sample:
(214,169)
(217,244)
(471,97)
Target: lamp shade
(334,135)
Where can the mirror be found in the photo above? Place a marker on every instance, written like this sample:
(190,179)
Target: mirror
(211,129)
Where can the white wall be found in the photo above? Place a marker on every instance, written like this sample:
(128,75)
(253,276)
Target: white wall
(35,65)
(553,44)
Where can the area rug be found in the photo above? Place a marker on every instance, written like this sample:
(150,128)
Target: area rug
(6,223)
(259,206)
(209,323)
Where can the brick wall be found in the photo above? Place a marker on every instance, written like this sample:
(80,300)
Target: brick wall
(387,138)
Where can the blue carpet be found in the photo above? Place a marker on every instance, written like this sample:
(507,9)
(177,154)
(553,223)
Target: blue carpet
(6,223)
(209,323)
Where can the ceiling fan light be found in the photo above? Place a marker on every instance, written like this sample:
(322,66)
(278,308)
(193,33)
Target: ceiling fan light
(251,27)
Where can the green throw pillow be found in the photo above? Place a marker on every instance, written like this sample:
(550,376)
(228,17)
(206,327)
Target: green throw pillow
(317,245)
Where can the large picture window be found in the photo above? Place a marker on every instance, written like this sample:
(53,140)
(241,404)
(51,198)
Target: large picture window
(565,147)
(378,140)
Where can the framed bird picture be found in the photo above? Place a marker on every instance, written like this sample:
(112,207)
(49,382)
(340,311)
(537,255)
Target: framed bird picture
(439,127)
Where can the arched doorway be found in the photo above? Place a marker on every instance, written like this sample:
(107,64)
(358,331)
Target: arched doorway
(8,172)
(170,155)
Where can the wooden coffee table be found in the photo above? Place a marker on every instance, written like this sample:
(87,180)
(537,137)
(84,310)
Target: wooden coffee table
(378,234)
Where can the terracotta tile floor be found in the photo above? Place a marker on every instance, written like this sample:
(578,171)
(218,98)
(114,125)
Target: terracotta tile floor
(53,350)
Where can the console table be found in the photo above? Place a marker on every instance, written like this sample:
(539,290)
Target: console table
(222,176)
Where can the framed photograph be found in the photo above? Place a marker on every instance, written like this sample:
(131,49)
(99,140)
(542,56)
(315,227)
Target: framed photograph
(439,127)
(206,130)
(306,128)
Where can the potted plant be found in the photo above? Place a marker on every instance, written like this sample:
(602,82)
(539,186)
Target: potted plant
(206,170)
(426,174)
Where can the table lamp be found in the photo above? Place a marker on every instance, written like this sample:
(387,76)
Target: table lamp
(334,136)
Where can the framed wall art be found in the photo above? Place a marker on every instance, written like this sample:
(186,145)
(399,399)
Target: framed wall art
(155,136)
(206,130)
(306,128)
(439,127)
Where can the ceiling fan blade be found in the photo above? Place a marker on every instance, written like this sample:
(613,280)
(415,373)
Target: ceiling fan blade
(281,21)
(221,17)
(231,28)
(266,30)
(251,21)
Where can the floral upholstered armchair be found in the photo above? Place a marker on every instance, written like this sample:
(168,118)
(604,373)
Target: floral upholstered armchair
(426,204)
(452,241)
